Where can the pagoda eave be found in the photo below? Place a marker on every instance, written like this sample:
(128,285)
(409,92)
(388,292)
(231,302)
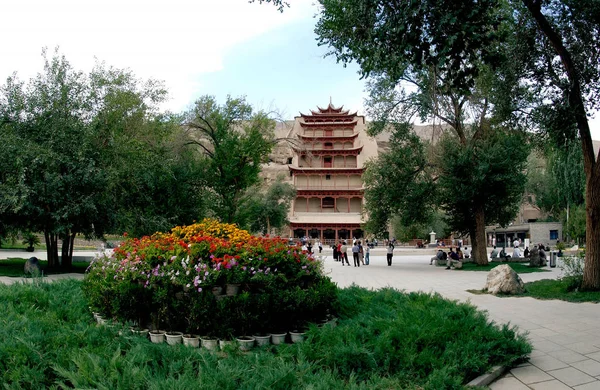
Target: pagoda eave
(327,124)
(327,171)
(329,192)
(329,138)
(324,225)
(329,152)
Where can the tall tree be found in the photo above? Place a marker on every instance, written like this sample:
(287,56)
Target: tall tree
(235,141)
(432,59)
(561,42)
(84,150)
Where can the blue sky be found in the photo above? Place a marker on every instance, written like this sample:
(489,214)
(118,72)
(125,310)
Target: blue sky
(197,47)
(285,69)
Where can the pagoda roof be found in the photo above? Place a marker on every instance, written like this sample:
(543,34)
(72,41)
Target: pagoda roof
(326,171)
(330,110)
(332,152)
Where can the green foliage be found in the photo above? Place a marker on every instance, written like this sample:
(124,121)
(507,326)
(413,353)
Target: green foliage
(399,182)
(520,268)
(558,180)
(91,154)
(30,239)
(488,172)
(575,226)
(234,142)
(263,209)
(385,339)
(411,36)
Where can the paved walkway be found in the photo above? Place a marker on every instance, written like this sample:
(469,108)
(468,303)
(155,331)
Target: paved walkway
(565,335)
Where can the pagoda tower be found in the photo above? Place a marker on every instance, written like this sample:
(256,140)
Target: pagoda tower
(329,155)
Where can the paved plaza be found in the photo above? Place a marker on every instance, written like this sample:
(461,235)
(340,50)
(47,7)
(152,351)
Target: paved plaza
(565,336)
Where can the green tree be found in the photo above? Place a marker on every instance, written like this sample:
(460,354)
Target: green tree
(559,40)
(91,154)
(45,125)
(557,179)
(266,208)
(437,60)
(234,142)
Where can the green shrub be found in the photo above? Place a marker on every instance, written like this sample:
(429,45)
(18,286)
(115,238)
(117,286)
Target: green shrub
(387,340)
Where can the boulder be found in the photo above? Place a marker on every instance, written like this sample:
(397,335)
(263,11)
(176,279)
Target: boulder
(32,267)
(504,280)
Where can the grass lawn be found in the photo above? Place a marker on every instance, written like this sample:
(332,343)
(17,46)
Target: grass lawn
(384,340)
(14,267)
(559,289)
(520,268)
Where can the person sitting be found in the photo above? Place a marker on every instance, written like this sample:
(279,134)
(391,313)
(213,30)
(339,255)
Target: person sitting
(494,254)
(452,259)
(503,256)
(459,253)
(439,257)
(542,255)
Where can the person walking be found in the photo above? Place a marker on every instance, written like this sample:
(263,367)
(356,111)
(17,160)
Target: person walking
(390,253)
(367,254)
(355,254)
(344,253)
(334,247)
(361,253)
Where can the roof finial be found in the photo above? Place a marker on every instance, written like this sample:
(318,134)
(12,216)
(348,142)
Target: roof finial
(330,102)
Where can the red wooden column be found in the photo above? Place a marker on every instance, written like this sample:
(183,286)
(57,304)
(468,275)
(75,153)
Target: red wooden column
(307,204)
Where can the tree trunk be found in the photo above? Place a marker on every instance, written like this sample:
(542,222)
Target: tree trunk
(51,249)
(479,252)
(67,250)
(591,271)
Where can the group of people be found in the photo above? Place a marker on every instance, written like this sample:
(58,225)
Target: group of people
(501,254)
(308,246)
(451,257)
(360,253)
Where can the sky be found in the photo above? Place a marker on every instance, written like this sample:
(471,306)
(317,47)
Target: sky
(197,47)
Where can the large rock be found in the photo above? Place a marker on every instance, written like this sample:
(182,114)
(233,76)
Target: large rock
(32,267)
(504,280)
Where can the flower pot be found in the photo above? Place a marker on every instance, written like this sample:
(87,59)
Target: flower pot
(157,336)
(189,340)
(224,344)
(232,289)
(139,331)
(297,336)
(174,338)
(217,290)
(246,343)
(278,338)
(262,340)
(210,344)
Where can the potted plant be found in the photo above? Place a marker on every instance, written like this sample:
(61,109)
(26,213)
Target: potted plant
(31,240)
(235,276)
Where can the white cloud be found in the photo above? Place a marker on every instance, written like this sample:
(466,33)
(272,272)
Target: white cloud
(172,41)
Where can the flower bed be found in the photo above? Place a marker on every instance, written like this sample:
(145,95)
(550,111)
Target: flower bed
(169,278)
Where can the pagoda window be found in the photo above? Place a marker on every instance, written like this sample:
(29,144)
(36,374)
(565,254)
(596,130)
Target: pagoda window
(327,162)
(327,177)
(289,160)
(328,203)
(328,133)
(328,145)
